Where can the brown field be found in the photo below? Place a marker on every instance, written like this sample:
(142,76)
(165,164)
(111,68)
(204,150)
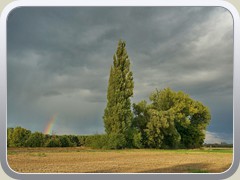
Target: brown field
(85,160)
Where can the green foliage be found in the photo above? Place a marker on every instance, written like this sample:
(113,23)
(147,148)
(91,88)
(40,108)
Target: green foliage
(137,140)
(117,114)
(9,136)
(141,118)
(74,140)
(18,137)
(65,141)
(96,141)
(36,139)
(82,140)
(105,141)
(172,120)
(53,142)
(116,141)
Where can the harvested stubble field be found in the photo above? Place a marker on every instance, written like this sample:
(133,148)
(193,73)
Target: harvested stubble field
(85,160)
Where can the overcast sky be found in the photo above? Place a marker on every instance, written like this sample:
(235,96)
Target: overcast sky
(59,60)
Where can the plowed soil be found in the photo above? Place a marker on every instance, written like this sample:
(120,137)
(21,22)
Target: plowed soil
(86,160)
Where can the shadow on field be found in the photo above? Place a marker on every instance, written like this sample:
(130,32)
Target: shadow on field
(183,168)
(189,168)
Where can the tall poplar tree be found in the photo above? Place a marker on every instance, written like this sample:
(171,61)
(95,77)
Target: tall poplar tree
(118,115)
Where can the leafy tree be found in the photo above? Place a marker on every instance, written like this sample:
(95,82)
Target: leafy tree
(137,140)
(117,114)
(116,141)
(159,121)
(82,140)
(9,136)
(19,137)
(74,139)
(53,142)
(193,136)
(161,128)
(65,141)
(36,139)
(140,120)
(172,120)
(97,141)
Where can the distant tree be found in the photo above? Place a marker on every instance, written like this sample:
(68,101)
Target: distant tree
(19,137)
(65,141)
(53,142)
(118,115)
(36,139)
(82,140)
(9,136)
(74,140)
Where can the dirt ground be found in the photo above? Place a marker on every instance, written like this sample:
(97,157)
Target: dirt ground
(85,160)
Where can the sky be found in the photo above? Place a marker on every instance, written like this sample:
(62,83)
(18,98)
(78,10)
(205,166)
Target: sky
(59,58)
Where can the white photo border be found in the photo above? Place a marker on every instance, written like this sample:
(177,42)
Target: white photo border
(119,3)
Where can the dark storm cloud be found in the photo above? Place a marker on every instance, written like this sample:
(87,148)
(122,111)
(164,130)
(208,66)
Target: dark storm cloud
(59,60)
(52,93)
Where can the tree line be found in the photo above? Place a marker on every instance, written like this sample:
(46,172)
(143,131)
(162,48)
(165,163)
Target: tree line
(21,137)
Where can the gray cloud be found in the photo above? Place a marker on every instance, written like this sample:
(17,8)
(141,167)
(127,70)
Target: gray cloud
(212,137)
(59,61)
(52,93)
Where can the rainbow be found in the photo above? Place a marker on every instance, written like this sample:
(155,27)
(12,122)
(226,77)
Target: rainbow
(50,124)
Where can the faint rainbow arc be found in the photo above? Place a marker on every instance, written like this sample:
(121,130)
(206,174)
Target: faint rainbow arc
(50,124)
